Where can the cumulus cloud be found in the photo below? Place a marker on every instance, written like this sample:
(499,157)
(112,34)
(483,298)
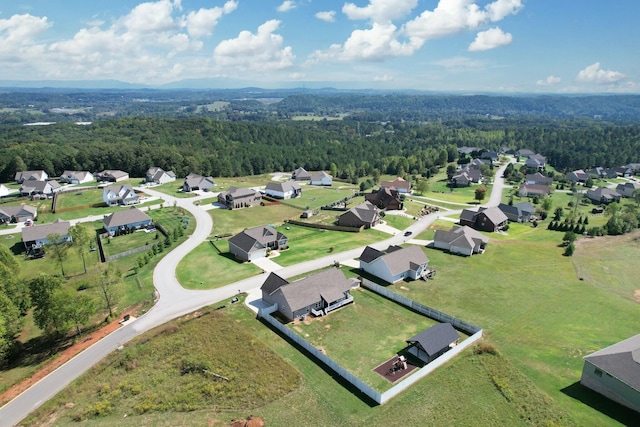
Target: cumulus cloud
(383,78)
(380,10)
(202,22)
(296,76)
(549,81)
(286,6)
(151,16)
(22,29)
(490,39)
(594,74)
(329,16)
(258,52)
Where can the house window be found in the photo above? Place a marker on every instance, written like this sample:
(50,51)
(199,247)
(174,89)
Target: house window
(598,372)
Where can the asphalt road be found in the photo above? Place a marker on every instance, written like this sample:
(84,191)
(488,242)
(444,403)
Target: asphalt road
(175,301)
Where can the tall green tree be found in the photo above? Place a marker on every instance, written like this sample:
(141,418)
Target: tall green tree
(82,238)
(42,290)
(109,286)
(480,193)
(73,308)
(58,248)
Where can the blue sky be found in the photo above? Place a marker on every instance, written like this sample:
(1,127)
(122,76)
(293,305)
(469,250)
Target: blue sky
(542,46)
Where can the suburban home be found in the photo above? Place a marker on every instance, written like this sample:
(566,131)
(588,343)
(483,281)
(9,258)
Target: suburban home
(109,175)
(614,372)
(157,175)
(317,294)
(524,152)
(533,190)
(538,179)
(395,264)
(254,243)
(38,175)
(283,190)
(624,171)
(489,155)
(578,176)
(193,182)
(468,150)
(603,195)
(76,177)
(635,167)
(433,342)
(476,163)
(600,172)
(114,195)
(365,214)
(9,214)
(628,188)
(235,198)
(460,240)
(301,174)
(385,198)
(132,218)
(520,212)
(39,189)
(399,184)
(321,178)
(4,191)
(537,161)
(466,177)
(35,237)
(485,219)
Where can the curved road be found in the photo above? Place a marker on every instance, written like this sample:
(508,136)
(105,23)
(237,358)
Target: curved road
(176,301)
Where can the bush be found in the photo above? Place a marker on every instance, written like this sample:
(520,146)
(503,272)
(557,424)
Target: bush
(485,347)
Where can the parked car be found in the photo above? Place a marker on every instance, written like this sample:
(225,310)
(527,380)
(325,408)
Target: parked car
(408,233)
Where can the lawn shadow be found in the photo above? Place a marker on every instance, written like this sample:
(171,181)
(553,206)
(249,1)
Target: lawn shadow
(606,406)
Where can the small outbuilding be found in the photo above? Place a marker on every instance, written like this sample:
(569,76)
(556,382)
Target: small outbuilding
(433,342)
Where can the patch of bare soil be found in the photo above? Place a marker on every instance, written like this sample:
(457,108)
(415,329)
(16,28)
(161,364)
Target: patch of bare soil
(636,295)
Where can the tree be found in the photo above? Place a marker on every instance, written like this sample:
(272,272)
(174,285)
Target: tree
(110,286)
(422,186)
(42,289)
(546,204)
(589,182)
(58,247)
(570,249)
(480,193)
(558,213)
(569,237)
(82,238)
(451,170)
(73,308)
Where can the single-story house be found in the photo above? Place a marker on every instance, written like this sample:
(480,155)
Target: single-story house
(460,240)
(38,175)
(603,195)
(36,236)
(485,219)
(635,167)
(477,163)
(628,188)
(159,176)
(114,195)
(614,372)
(126,219)
(365,214)
(520,212)
(395,264)
(193,182)
(385,198)
(283,190)
(489,155)
(537,161)
(235,198)
(321,178)
(4,190)
(399,184)
(254,243)
(20,213)
(38,189)
(537,179)
(433,342)
(301,174)
(317,294)
(533,190)
(600,172)
(624,171)
(525,152)
(578,176)
(76,177)
(464,177)
(110,175)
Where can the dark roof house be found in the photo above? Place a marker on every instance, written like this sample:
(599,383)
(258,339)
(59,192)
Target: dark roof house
(17,213)
(519,212)
(365,214)
(38,175)
(433,342)
(485,219)
(35,237)
(128,218)
(39,189)
(300,174)
(193,182)
(628,188)
(603,195)
(460,240)
(110,175)
(283,190)
(254,243)
(538,179)
(235,198)
(395,264)
(385,198)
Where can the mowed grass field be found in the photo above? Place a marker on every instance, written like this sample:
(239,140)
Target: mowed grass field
(231,222)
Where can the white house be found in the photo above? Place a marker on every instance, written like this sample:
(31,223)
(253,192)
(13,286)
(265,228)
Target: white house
(159,176)
(115,195)
(38,175)
(460,240)
(395,264)
(76,177)
(4,191)
(283,190)
(321,178)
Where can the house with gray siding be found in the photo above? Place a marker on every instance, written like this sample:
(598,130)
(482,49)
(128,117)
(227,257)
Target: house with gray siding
(39,189)
(395,264)
(520,212)
(460,240)
(254,243)
(628,188)
(433,342)
(365,215)
(236,198)
(38,175)
(603,195)
(76,177)
(35,237)
(132,218)
(9,214)
(283,190)
(193,182)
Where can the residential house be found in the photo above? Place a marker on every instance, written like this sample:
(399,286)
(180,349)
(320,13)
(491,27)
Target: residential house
(468,150)
(399,184)
(38,175)
(578,176)
(385,198)
(114,195)
(110,175)
(76,177)
(460,240)
(520,212)
(624,171)
(235,198)
(533,190)
(537,161)
(635,167)
(301,174)
(4,191)
(39,189)
(283,190)
(132,218)
(254,243)
(537,179)
(365,215)
(317,294)
(395,264)
(466,177)
(485,219)
(600,172)
(35,237)
(489,155)
(628,188)
(524,152)
(614,372)
(157,175)
(321,178)
(603,195)
(433,342)
(9,214)
(193,182)
(477,163)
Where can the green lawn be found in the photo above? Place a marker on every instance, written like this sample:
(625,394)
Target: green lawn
(229,222)
(80,198)
(119,244)
(398,221)
(314,197)
(174,189)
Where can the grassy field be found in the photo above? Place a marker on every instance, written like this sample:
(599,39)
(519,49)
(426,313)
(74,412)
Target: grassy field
(80,198)
(234,221)
(173,189)
(119,244)
(398,221)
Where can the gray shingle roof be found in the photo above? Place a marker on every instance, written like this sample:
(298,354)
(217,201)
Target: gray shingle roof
(273,283)
(283,187)
(397,259)
(366,211)
(325,284)
(620,360)
(436,338)
(37,232)
(263,235)
(125,217)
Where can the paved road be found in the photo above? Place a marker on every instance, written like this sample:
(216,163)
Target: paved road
(175,301)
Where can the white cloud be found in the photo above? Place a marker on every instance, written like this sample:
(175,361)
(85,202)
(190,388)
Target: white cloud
(258,52)
(286,6)
(329,16)
(500,9)
(151,17)
(383,78)
(202,22)
(549,81)
(22,29)
(490,39)
(296,76)
(594,74)
(380,10)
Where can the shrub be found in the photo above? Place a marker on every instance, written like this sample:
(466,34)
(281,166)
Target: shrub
(485,347)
